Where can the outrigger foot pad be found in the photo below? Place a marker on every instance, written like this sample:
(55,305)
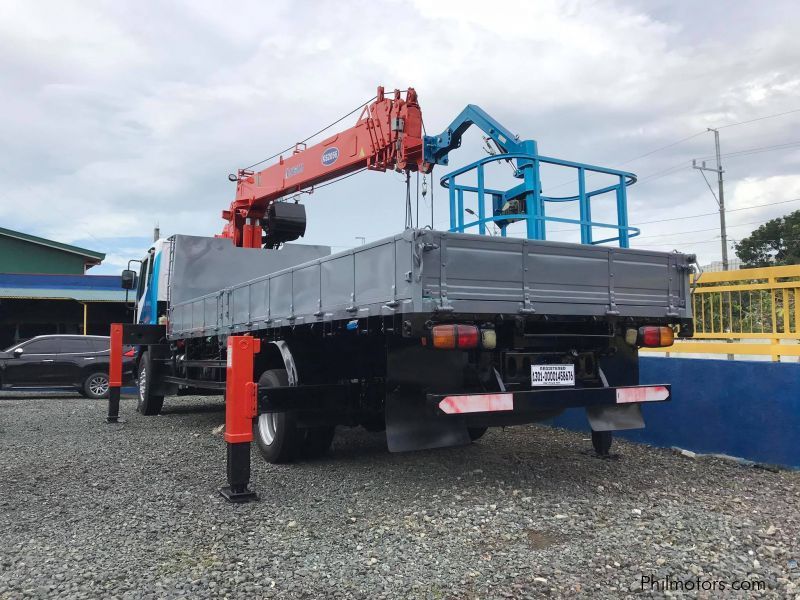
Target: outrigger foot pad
(238,496)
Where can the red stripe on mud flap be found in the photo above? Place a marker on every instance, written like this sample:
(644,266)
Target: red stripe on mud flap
(454,405)
(650,393)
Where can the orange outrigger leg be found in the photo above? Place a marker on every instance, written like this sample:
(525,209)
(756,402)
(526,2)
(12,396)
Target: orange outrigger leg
(241,407)
(114,373)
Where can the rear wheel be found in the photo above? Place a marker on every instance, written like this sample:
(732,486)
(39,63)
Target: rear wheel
(149,403)
(276,434)
(95,386)
(316,441)
(601,441)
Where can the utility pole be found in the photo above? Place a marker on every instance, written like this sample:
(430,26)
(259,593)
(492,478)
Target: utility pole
(719,197)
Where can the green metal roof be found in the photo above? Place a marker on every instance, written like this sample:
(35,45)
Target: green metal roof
(98,256)
(62,294)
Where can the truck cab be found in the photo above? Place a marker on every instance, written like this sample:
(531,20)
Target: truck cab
(150,284)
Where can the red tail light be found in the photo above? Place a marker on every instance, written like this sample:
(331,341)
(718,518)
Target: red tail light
(130,353)
(449,337)
(656,337)
(468,336)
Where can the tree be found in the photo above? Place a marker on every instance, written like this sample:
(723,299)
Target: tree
(776,242)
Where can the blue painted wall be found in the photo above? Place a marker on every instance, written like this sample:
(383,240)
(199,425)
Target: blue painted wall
(742,408)
(66,282)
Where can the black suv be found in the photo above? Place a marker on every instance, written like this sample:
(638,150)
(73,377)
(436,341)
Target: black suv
(59,361)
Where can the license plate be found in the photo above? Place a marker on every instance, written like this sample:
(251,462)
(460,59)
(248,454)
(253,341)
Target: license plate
(552,375)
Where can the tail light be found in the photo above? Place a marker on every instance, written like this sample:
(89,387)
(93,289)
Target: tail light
(488,339)
(450,337)
(656,337)
(130,353)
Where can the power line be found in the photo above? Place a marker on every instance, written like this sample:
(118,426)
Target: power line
(641,237)
(685,243)
(710,241)
(682,140)
(663,173)
(757,150)
(694,135)
(716,212)
(322,185)
(730,210)
(313,135)
(788,112)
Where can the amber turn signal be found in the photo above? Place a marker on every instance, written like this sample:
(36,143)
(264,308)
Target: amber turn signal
(656,337)
(450,337)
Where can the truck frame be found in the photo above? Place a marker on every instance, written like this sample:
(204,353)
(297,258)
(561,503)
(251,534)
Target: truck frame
(431,335)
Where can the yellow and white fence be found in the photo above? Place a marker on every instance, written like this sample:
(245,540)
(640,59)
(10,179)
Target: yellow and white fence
(747,312)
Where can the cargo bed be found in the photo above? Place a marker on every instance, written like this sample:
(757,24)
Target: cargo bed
(428,272)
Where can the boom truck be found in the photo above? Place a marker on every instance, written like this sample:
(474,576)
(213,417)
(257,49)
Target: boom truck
(431,335)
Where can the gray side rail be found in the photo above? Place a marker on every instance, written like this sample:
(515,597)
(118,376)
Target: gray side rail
(424,271)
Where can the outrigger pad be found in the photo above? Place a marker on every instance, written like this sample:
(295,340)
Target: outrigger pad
(411,425)
(615,418)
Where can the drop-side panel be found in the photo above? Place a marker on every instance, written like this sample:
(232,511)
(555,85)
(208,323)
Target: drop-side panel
(259,300)
(428,272)
(210,313)
(568,274)
(306,290)
(374,273)
(240,304)
(337,283)
(483,268)
(280,295)
(641,279)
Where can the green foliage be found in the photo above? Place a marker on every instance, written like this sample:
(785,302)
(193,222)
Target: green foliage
(776,242)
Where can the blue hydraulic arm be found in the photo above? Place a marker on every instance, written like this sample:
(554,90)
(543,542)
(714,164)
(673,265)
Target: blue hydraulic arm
(527,200)
(437,147)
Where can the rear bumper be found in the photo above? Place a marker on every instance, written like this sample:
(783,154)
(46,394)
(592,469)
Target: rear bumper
(534,402)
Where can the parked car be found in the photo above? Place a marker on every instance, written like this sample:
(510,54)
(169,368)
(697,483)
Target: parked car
(62,361)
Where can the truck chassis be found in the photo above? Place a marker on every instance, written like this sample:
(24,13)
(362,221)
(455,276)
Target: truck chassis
(346,338)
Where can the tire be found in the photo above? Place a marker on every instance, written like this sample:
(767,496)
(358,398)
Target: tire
(316,441)
(601,442)
(476,433)
(276,434)
(95,386)
(149,403)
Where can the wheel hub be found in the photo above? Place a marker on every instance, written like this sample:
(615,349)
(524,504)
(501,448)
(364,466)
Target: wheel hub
(267,426)
(98,385)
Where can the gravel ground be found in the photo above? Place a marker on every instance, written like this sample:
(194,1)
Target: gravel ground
(89,510)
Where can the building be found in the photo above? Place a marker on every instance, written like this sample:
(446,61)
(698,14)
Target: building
(44,289)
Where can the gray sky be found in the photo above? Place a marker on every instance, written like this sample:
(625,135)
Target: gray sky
(120,115)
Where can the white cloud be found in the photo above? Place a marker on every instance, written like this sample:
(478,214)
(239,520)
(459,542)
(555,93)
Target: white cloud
(117,116)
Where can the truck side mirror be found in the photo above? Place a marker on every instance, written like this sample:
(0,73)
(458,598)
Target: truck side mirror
(128,279)
(18,352)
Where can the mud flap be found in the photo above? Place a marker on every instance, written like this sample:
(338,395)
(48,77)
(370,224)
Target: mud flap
(411,426)
(615,418)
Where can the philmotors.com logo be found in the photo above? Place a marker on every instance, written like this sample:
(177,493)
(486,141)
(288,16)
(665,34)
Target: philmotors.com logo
(330,156)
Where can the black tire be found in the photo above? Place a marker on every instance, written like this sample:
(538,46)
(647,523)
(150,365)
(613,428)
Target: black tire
(149,403)
(601,442)
(95,386)
(316,441)
(276,434)
(476,433)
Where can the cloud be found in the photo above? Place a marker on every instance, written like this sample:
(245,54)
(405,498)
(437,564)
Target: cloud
(118,116)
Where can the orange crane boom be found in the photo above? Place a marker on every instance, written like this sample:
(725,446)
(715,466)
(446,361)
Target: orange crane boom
(388,135)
